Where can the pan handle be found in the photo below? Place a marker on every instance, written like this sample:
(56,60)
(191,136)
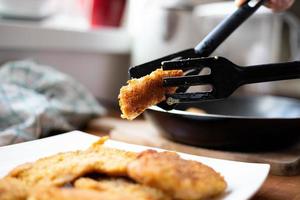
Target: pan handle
(226,27)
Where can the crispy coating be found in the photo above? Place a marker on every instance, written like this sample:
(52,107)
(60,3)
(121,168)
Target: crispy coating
(54,193)
(123,187)
(144,92)
(184,179)
(63,168)
(12,189)
(154,176)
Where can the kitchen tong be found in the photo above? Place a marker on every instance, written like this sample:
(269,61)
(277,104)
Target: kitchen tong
(224,76)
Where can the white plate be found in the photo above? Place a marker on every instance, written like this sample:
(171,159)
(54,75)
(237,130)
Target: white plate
(243,179)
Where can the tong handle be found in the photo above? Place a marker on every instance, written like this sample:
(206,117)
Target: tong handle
(226,27)
(270,72)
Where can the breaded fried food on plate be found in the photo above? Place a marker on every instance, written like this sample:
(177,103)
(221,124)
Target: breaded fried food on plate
(101,172)
(13,189)
(144,92)
(54,193)
(123,187)
(184,179)
(63,168)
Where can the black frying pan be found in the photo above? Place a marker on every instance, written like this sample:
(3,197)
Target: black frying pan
(237,123)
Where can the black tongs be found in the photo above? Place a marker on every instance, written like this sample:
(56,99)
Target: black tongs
(224,77)
(203,49)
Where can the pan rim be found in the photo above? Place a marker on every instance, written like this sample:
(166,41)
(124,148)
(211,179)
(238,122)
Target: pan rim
(220,116)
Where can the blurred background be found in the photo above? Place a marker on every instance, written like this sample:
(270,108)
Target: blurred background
(95,41)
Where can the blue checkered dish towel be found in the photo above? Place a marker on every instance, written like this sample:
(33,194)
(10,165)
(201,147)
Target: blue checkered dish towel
(36,99)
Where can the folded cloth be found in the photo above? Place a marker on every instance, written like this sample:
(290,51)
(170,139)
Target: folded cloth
(36,100)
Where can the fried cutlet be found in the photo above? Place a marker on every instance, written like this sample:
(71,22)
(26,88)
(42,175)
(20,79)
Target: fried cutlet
(13,189)
(184,179)
(123,187)
(144,92)
(54,193)
(63,168)
(154,176)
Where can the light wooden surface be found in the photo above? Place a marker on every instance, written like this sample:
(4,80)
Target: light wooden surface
(275,187)
(279,188)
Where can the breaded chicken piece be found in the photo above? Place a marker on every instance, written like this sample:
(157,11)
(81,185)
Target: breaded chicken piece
(158,176)
(63,168)
(184,179)
(54,193)
(123,187)
(13,189)
(144,92)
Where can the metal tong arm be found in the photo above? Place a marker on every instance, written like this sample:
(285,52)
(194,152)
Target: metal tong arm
(270,72)
(226,27)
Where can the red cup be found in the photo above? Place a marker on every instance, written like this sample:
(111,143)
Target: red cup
(107,12)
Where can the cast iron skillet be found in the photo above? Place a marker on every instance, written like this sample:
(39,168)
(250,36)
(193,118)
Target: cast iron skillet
(237,123)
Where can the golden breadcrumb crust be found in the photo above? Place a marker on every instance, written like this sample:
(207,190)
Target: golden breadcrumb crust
(184,179)
(144,92)
(105,173)
(127,188)
(13,189)
(65,167)
(55,193)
